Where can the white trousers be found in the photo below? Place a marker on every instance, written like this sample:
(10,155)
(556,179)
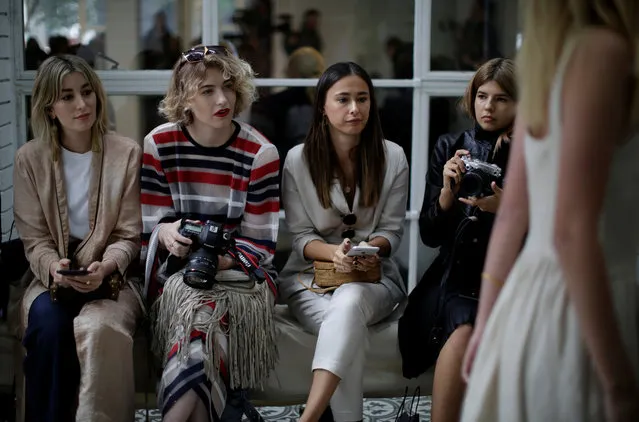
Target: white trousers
(341,320)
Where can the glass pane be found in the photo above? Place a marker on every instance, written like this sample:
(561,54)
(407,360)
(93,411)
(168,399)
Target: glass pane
(146,34)
(284,116)
(466,33)
(266,32)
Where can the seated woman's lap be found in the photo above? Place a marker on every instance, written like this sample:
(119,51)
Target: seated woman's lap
(116,316)
(53,321)
(458,311)
(51,318)
(372,301)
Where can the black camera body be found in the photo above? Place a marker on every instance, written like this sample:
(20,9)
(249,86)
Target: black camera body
(478,177)
(209,241)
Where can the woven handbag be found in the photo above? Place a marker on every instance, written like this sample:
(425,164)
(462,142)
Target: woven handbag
(328,279)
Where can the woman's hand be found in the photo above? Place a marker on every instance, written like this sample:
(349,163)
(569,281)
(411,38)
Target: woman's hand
(343,263)
(83,284)
(622,406)
(471,352)
(98,271)
(170,238)
(59,279)
(365,263)
(453,172)
(486,203)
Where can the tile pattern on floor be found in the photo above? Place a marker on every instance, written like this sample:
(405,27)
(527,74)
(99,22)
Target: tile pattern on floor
(375,410)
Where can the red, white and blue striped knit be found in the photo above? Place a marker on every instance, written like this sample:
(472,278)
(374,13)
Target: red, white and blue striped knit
(235,184)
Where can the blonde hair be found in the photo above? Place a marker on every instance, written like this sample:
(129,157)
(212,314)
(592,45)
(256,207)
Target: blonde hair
(47,89)
(187,78)
(306,62)
(548,24)
(502,71)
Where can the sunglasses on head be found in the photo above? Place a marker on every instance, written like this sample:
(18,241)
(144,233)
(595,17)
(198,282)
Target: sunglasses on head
(349,220)
(197,54)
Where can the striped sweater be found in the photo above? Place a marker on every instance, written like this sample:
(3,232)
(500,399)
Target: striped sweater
(235,184)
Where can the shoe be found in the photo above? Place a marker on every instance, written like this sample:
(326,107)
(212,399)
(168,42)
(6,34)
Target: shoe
(327,416)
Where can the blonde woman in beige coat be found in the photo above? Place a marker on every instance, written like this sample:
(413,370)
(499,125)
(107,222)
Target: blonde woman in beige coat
(77,207)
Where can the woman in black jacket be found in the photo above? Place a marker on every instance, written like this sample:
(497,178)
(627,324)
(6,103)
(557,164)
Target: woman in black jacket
(437,323)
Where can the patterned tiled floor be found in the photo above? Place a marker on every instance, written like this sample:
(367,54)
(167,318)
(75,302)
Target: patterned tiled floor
(375,410)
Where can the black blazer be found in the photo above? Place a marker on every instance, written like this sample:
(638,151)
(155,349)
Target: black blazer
(438,228)
(462,246)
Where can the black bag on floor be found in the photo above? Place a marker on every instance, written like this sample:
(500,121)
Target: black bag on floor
(410,414)
(13,265)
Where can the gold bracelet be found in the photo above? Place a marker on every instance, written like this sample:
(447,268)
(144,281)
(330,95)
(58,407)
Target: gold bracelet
(496,282)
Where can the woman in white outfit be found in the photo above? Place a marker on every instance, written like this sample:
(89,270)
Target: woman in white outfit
(561,335)
(343,186)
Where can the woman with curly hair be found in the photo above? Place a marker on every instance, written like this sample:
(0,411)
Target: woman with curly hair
(205,166)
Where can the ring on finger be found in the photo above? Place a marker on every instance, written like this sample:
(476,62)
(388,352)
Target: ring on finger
(88,283)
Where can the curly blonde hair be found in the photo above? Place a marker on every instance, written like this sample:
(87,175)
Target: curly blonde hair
(47,89)
(188,76)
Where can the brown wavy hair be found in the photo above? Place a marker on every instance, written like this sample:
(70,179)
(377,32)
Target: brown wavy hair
(502,71)
(187,78)
(370,155)
(47,89)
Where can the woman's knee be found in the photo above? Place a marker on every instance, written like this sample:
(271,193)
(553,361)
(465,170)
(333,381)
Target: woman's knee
(309,309)
(458,340)
(348,300)
(49,320)
(107,333)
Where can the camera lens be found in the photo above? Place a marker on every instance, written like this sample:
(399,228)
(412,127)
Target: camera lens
(201,269)
(472,184)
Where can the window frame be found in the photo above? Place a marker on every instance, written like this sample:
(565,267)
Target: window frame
(425,84)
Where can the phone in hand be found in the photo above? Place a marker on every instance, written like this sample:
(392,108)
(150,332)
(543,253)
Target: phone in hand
(72,273)
(362,251)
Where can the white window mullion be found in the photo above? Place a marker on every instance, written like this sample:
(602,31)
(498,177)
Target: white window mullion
(16,13)
(419,150)
(210,22)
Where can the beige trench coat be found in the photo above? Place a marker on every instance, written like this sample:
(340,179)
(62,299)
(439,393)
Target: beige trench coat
(104,329)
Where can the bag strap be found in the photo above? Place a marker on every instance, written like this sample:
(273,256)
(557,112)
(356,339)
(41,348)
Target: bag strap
(459,230)
(151,253)
(416,393)
(311,288)
(401,406)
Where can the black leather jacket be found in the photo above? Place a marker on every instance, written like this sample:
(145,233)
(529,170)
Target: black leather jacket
(440,228)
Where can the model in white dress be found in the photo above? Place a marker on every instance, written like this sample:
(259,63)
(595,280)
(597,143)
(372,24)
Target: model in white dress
(532,363)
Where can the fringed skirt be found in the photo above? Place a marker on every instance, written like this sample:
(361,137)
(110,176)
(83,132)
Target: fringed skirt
(212,340)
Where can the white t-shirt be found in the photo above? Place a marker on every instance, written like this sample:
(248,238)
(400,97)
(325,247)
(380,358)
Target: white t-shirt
(77,178)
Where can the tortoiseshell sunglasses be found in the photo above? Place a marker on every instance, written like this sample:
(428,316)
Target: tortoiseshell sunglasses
(197,54)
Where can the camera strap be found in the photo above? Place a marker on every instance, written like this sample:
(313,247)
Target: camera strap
(251,268)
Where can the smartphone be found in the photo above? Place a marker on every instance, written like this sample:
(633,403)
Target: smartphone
(362,251)
(73,273)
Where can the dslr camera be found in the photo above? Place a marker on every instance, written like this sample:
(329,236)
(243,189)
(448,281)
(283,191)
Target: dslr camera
(478,177)
(209,240)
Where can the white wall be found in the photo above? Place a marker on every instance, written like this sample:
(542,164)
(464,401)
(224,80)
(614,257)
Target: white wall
(7,119)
